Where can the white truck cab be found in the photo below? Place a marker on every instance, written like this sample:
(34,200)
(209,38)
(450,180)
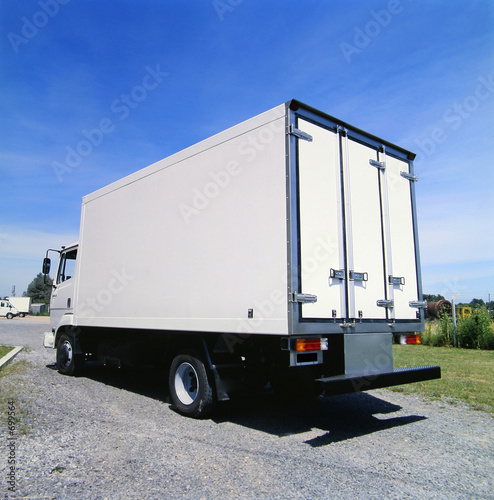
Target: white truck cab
(62,295)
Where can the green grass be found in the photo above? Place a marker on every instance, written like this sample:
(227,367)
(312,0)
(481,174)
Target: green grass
(466,374)
(4,349)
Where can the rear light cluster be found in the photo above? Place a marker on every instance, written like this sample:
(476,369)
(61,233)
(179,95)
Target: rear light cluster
(306,345)
(410,339)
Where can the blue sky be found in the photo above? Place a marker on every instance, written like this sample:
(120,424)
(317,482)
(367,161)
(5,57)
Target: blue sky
(144,79)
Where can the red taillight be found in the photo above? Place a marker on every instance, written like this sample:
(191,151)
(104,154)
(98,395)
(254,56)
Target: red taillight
(410,339)
(304,345)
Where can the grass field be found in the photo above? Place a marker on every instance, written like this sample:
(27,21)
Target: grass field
(4,349)
(466,374)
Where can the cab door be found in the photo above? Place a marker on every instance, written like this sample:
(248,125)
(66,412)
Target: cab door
(62,296)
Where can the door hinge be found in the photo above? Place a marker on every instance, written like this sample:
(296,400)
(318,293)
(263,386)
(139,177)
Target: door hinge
(298,133)
(419,304)
(379,164)
(409,176)
(304,298)
(385,303)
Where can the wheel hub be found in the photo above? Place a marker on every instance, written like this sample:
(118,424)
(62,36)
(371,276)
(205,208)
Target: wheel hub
(186,383)
(65,354)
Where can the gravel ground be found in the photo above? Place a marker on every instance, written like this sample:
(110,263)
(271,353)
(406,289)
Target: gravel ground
(110,435)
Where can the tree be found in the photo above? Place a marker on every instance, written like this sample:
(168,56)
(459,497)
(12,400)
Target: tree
(477,303)
(38,290)
(432,298)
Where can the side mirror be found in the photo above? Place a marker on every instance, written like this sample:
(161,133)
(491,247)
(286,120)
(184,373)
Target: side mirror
(46,266)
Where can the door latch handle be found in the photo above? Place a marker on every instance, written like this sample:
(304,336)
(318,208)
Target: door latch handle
(355,276)
(338,274)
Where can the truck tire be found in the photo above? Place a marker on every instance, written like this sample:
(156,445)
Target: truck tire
(10,315)
(68,363)
(191,391)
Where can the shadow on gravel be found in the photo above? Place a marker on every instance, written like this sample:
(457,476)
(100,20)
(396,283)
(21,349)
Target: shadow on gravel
(338,417)
(147,382)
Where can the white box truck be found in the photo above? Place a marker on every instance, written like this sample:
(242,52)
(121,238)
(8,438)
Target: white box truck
(281,250)
(22,304)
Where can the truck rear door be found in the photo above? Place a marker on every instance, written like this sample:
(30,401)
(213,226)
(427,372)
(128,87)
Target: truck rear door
(355,233)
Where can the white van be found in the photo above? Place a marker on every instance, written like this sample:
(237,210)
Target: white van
(7,309)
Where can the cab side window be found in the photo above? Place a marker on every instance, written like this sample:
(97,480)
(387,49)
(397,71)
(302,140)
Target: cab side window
(67,266)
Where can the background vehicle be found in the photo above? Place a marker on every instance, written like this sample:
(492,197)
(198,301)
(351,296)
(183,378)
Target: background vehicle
(283,249)
(7,310)
(22,304)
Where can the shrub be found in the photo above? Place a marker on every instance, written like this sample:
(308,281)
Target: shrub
(438,333)
(475,331)
(487,339)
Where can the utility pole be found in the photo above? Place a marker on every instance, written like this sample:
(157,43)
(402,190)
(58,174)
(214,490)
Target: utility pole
(455,329)
(13,291)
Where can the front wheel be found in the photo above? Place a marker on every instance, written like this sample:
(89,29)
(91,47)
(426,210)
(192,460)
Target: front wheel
(191,391)
(10,315)
(68,362)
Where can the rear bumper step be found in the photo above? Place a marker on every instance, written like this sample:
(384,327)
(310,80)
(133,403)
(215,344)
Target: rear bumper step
(343,384)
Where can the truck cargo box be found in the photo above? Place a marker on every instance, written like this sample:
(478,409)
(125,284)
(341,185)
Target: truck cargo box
(291,222)
(283,249)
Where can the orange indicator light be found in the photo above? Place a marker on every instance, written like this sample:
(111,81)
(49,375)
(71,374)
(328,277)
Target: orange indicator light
(304,345)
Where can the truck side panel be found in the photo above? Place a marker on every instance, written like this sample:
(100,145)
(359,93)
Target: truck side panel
(196,242)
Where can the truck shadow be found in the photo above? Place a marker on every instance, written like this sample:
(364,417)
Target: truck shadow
(338,418)
(146,382)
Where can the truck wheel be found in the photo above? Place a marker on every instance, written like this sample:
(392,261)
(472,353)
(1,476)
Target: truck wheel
(10,315)
(68,363)
(191,391)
